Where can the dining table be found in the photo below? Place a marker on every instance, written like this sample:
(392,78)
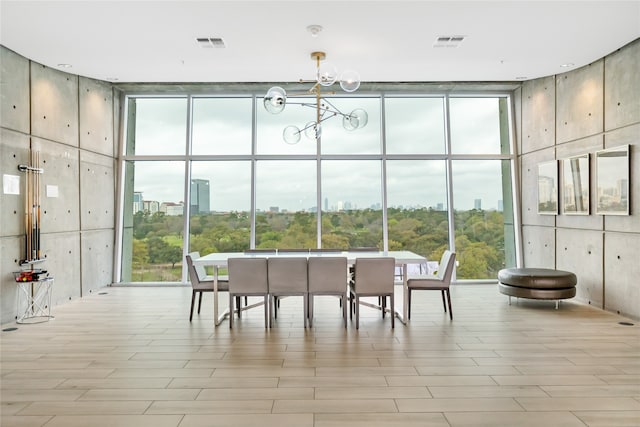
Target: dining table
(219,260)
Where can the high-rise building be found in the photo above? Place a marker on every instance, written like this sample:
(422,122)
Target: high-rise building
(200,196)
(477,204)
(137,201)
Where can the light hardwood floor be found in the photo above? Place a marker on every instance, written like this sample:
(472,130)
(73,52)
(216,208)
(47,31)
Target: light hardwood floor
(130,357)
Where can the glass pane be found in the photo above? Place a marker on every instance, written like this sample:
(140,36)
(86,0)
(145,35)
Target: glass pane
(153,222)
(479,189)
(159,126)
(414,125)
(271,127)
(338,140)
(220,218)
(352,203)
(417,207)
(221,126)
(286,204)
(475,125)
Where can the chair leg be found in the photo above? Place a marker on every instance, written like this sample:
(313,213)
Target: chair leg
(310,312)
(351,306)
(383,299)
(231,311)
(305,309)
(238,305)
(409,304)
(193,298)
(357,312)
(444,304)
(267,321)
(393,314)
(343,300)
(274,307)
(200,301)
(449,299)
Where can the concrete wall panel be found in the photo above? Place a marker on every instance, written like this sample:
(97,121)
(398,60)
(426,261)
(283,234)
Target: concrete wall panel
(529,188)
(579,95)
(582,146)
(628,135)
(97,191)
(622,86)
(538,105)
(97,259)
(621,272)
(581,251)
(54,105)
(60,164)
(539,246)
(62,252)
(14,151)
(14,96)
(96,116)
(11,251)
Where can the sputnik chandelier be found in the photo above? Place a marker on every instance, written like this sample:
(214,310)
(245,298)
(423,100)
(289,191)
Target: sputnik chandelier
(326,75)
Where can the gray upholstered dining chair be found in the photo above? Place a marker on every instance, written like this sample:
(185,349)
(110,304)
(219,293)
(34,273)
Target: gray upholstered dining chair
(328,276)
(248,277)
(201,282)
(288,277)
(373,278)
(440,282)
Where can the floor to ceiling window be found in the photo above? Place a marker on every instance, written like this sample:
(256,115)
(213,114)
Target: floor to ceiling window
(213,174)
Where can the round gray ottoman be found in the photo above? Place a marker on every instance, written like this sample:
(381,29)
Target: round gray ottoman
(537,283)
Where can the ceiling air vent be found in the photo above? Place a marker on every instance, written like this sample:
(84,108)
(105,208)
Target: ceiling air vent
(448,41)
(210,42)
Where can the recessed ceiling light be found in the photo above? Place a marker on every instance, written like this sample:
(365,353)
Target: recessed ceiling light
(567,65)
(65,65)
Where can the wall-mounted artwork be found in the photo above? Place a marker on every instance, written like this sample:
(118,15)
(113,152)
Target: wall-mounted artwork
(548,188)
(575,185)
(612,181)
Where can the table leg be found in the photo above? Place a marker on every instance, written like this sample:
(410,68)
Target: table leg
(402,317)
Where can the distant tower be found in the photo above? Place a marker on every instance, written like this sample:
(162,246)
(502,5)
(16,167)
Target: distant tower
(200,196)
(477,204)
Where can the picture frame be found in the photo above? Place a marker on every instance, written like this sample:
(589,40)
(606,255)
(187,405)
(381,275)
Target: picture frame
(612,181)
(548,188)
(575,185)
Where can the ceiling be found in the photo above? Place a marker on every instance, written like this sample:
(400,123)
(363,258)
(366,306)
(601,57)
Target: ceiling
(268,41)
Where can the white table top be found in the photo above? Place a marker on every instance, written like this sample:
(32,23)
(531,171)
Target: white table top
(221,258)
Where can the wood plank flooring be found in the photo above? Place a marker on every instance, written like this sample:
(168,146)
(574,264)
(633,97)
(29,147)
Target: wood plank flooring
(130,357)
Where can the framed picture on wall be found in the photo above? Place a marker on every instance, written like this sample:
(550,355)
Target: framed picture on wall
(575,185)
(612,181)
(548,188)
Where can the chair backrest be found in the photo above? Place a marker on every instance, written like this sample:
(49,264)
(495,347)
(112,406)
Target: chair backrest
(248,275)
(375,274)
(445,269)
(197,273)
(326,250)
(287,274)
(327,274)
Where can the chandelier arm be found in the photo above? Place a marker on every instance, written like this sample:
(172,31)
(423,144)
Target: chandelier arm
(334,108)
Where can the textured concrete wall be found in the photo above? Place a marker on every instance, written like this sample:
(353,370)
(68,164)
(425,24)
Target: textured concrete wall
(583,111)
(71,121)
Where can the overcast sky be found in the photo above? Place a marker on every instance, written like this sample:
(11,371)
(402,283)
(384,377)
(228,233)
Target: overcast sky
(414,126)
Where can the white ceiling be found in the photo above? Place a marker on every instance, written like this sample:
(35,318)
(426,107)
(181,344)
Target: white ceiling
(267,41)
